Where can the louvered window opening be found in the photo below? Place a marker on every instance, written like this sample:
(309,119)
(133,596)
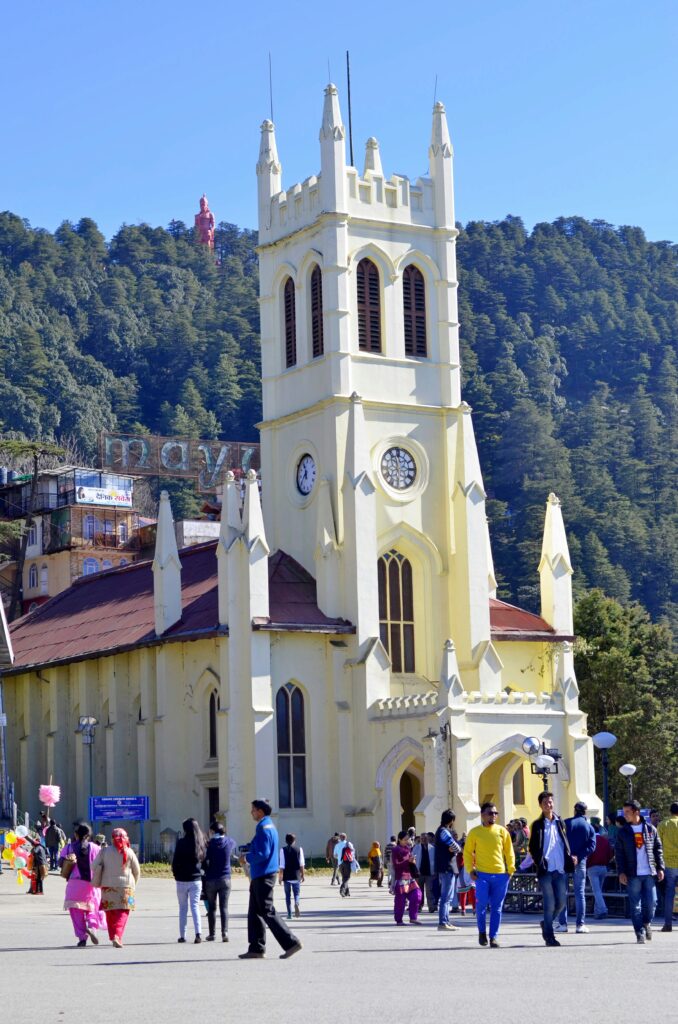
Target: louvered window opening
(317,312)
(369,307)
(290,324)
(291,737)
(414,310)
(396,610)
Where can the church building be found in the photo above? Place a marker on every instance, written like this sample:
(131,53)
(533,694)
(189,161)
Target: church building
(340,649)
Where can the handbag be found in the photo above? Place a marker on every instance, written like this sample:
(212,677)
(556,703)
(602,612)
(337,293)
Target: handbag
(67,865)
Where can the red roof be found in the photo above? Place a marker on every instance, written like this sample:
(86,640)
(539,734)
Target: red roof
(511,623)
(113,610)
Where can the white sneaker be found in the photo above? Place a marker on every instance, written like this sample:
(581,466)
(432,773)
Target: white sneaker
(558,927)
(582,929)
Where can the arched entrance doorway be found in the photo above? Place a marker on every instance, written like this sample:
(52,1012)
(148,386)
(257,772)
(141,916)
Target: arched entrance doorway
(410,798)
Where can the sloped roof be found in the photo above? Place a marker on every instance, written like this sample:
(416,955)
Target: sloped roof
(508,622)
(113,610)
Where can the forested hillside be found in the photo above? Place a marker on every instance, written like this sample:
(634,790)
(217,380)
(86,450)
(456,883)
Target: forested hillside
(569,348)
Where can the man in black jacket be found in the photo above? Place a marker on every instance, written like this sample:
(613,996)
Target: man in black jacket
(550,851)
(640,862)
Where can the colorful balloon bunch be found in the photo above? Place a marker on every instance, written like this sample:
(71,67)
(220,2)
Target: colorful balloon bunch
(17,851)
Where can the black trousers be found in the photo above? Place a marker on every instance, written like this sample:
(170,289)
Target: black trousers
(261,914)
(345,869)
(217,888)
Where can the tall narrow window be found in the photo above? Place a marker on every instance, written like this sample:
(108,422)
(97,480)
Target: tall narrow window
(414,310)
(396,610)
(291,730)
(44,579)
(317,312)
(369,307)
(33,577)
(214,707)
(290,323)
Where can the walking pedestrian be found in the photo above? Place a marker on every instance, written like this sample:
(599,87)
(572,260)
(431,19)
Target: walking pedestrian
(264,862)
(582,839)
(550,851)
(345,851)
(54,840)
(82,898)
(490,860)
(407,891)
(375,862)
(446,850)
(640,863)
(189,854)
(38,868)
(596,867)
(330,858)
(668,833)
(116,872)
(424,858)
(217,878)
(291,874)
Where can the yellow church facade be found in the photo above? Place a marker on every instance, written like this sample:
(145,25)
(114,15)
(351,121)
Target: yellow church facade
(340,649)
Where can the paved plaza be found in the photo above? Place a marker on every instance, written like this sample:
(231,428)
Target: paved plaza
(355,965)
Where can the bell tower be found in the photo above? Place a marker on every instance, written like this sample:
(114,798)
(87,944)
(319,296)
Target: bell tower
(367,447)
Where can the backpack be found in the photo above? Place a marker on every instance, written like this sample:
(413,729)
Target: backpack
(347,854)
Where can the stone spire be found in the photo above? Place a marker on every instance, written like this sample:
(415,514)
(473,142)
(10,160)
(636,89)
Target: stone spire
(440,165)
(166,570)
(257,547)
(555,571)
(269,172)
(230,529)
(372,158)
(360,529)
(332,155)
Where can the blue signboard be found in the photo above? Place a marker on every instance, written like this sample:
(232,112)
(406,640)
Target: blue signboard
(119,808)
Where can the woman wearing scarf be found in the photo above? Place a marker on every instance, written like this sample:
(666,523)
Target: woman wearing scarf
(376,863)
(116,870)
(406,890)
(82,898)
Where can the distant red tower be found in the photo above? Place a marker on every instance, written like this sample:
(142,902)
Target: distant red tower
(204,223)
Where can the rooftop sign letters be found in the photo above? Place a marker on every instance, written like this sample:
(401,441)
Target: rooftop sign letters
(206,462)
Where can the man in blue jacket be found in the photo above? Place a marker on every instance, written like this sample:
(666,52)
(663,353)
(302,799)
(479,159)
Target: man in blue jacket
(264,859)
(581,836)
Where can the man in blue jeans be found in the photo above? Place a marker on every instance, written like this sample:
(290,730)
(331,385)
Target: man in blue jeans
(550,851)
(446,850)
(640,863)
(581,836)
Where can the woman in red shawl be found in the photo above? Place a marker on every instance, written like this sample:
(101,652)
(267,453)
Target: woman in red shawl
(116,871)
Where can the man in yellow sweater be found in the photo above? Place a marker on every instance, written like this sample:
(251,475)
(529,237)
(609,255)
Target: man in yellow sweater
(489,859)
(668,833)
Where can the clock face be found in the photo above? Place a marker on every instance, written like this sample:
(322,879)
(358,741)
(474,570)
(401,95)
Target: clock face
(398,468)
(306,474)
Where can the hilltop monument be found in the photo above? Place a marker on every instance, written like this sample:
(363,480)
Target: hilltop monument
(204,223)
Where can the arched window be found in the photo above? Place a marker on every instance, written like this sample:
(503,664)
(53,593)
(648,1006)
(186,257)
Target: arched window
(44,579)
(107,564)
(89,566)
(291,730)
(369,307)
(396,610)
(214,707)
(90,527)
(290,323)
(414,311)
(317,312)
(33,577)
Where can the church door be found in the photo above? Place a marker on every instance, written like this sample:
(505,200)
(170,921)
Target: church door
(410,797)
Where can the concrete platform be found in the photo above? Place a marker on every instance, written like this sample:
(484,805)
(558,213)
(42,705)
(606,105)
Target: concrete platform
(355,965)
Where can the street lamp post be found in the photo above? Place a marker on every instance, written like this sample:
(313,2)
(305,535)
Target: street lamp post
(628,771)
(605,741)
(545,761)
(87,725)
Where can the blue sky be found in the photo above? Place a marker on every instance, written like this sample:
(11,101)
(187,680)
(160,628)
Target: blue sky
(127,112)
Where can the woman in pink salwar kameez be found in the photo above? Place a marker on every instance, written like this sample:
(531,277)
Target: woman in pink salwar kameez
(82,899)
